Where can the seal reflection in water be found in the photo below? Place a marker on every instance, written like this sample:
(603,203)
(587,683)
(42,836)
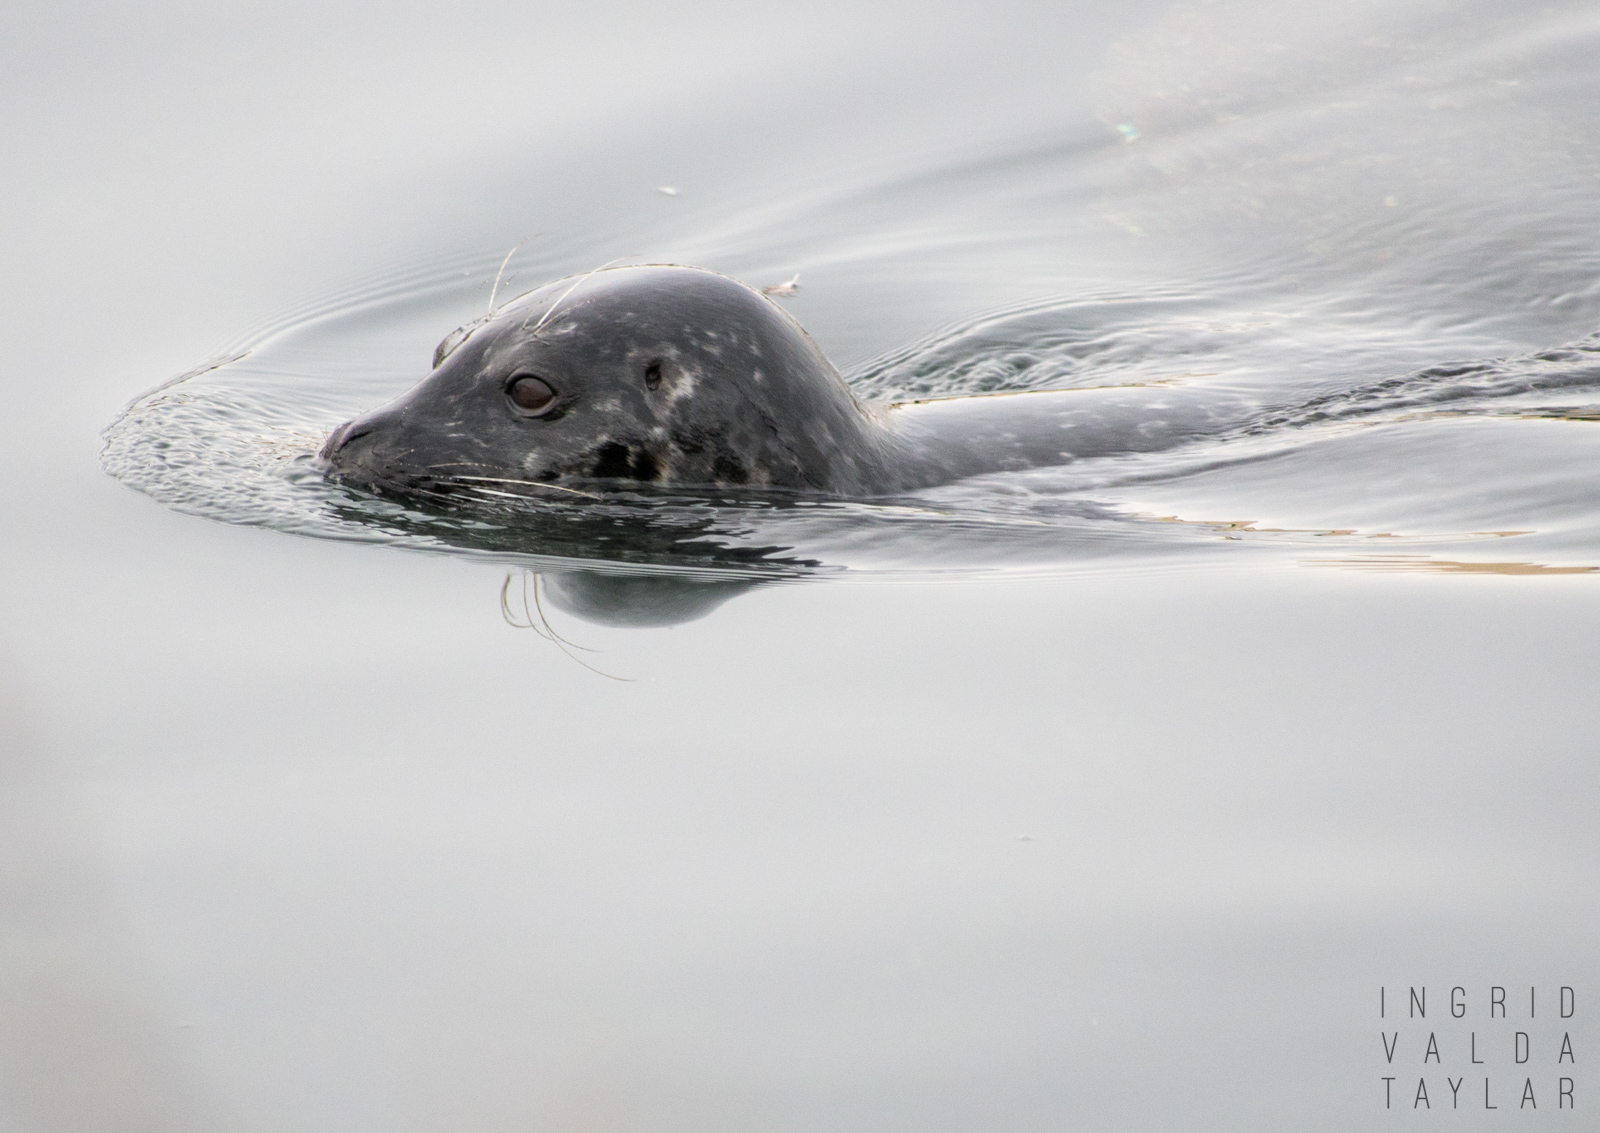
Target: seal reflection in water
(673,375)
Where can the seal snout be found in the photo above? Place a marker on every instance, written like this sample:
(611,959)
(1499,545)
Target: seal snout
(351,447)
(340,437)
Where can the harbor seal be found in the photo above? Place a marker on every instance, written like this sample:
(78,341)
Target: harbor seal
(663,374)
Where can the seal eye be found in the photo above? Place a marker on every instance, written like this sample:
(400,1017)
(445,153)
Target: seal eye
(652,375)
(530,394)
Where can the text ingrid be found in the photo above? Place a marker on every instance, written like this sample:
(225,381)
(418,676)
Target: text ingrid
(1452,1053)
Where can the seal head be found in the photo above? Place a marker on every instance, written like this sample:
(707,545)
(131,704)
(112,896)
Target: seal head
(656,374)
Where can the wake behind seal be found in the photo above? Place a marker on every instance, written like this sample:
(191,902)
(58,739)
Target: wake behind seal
(672,375)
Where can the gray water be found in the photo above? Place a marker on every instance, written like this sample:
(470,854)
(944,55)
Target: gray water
(1106,796)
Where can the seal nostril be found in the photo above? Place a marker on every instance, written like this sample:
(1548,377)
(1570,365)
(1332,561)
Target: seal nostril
(341,437)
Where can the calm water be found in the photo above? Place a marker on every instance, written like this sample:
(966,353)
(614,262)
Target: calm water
(1370,359)
(1105,796)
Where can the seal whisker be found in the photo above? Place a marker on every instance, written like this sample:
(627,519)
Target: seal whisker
(505,606)
(444,497)
(490,493)
(548,632)
(527,483)
(561,642)
(538,605)
(575,284)
(493,290)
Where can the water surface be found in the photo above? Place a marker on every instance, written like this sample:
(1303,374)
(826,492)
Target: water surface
(1105,796)
(1318,272)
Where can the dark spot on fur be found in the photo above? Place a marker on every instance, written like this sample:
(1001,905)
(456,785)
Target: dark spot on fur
(645,466)
(728,469)
(613,461)
(652,375)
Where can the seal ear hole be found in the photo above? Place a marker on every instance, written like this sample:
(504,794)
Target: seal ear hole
(652,375)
